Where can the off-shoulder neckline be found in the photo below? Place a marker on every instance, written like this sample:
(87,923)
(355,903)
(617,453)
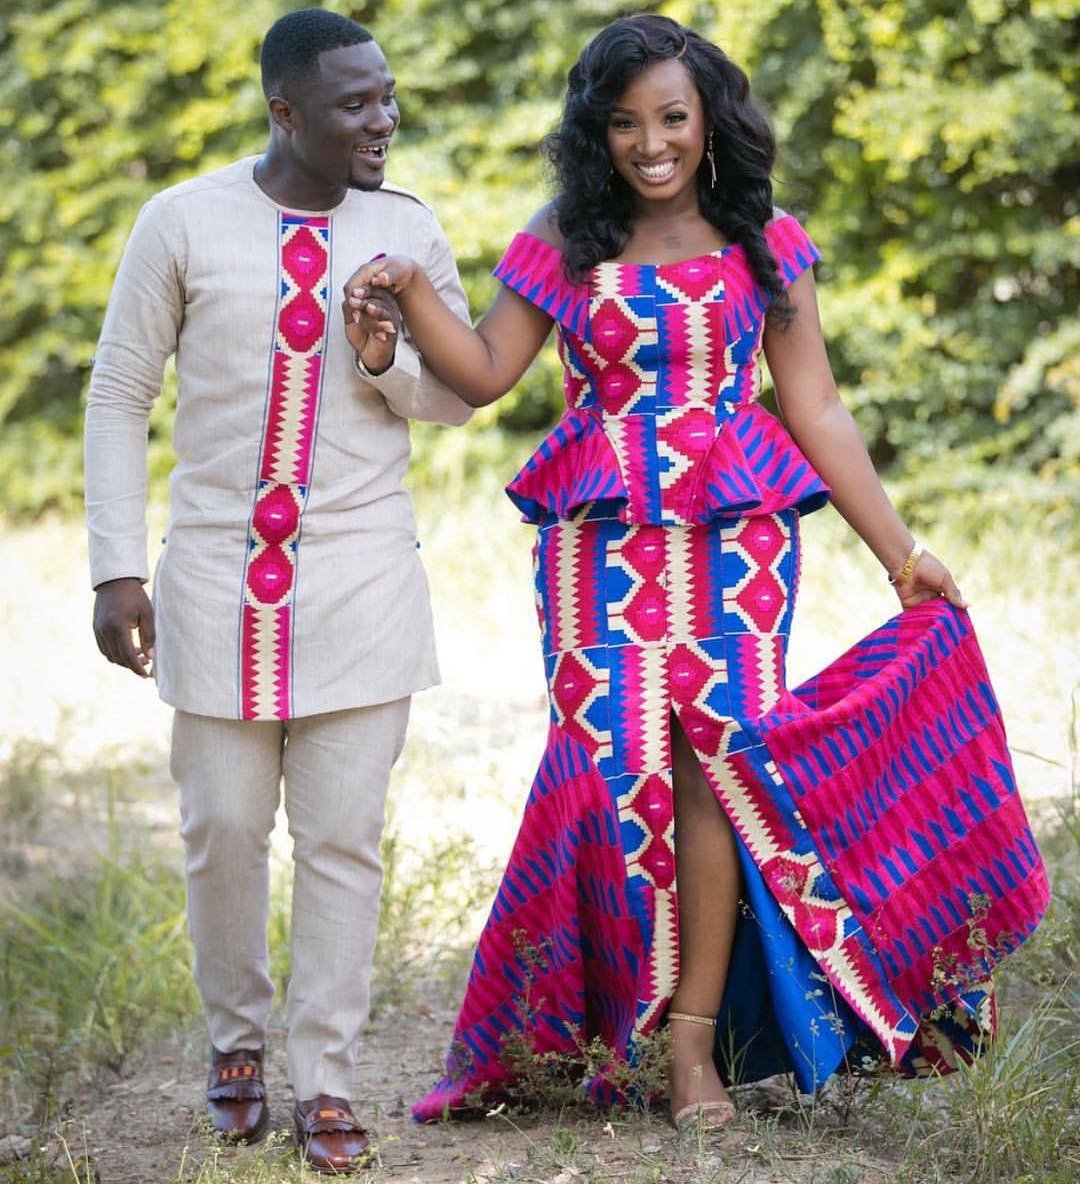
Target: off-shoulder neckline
(718,253)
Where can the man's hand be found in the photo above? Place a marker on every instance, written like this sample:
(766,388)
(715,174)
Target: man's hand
(121,608)
(372,326)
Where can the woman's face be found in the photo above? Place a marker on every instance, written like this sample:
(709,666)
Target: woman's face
(656,133)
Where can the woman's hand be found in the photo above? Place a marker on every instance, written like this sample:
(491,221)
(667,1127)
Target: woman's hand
(481,364)
(392,272)
(371,324)
(930,579)
(372,317)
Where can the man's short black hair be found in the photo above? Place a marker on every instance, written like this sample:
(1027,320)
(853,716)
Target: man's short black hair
(293,43)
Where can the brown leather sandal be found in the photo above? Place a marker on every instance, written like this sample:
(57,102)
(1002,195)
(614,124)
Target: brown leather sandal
(236,1095)
(328,1135)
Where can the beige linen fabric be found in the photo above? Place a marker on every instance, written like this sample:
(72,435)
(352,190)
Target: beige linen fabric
(199,279)
(336,768)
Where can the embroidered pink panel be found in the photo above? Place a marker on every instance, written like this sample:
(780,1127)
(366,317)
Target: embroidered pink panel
(288,445)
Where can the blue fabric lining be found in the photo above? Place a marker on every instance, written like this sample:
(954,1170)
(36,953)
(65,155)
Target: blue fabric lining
(798,1024)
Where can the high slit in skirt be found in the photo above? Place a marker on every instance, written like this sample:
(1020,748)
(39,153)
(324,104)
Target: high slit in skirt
(856,801)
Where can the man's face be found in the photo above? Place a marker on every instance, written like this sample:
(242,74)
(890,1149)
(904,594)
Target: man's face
(345,117)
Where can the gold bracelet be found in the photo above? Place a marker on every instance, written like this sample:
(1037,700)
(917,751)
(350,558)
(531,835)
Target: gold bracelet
(707,1020)
(909,565)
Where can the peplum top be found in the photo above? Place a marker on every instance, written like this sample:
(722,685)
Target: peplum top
(661,378)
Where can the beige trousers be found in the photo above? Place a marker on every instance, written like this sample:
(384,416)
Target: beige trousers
(336,768)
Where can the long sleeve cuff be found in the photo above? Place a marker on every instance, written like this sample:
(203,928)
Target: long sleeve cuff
(116,557)
(410,396)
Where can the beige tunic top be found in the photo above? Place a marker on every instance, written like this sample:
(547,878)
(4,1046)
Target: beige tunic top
(290,582)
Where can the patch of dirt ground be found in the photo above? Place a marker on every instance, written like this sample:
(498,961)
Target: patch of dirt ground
(145,1127)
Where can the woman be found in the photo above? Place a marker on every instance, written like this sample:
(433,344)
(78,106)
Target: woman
(667,502)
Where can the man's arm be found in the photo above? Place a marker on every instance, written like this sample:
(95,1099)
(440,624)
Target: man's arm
(408,386)
(141,326)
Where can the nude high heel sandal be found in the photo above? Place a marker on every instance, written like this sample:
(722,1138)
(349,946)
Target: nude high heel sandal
(711,1115)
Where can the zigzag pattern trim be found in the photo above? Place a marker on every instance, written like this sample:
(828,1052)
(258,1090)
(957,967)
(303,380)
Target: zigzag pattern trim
(897,762)
(661,373)
(288,446)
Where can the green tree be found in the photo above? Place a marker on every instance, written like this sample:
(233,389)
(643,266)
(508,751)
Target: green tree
(101,104)
(104,102)
(932,145)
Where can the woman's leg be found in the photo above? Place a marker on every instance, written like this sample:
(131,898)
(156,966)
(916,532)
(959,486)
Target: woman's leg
(707,872)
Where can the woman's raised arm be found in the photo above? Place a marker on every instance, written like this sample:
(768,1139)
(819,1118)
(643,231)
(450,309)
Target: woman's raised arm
(481,364)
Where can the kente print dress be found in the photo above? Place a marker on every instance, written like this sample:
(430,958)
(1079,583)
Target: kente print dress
(885,856)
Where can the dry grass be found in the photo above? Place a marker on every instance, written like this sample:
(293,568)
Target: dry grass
(84,790)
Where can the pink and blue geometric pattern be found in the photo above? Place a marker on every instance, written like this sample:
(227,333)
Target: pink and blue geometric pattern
(288,445)
(884,851)
(897,762)
(887,864)
(536,272)
(637,623)
(662,380)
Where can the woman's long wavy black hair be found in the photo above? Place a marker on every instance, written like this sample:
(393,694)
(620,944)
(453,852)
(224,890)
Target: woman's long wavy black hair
(594,207)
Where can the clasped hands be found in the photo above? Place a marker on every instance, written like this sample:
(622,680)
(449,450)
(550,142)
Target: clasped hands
(371,311)
(373,320)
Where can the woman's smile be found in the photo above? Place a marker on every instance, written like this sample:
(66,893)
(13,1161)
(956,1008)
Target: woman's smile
(656,132)
(656,172)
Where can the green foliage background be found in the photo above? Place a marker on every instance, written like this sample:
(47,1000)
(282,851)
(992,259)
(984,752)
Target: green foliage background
(931,145)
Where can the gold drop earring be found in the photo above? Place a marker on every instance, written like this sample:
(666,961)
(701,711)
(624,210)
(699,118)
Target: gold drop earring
(712,162)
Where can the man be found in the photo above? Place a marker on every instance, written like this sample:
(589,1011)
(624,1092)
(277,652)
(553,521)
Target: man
(291,620)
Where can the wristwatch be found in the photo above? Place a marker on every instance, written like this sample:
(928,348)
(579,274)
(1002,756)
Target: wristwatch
(362,370)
